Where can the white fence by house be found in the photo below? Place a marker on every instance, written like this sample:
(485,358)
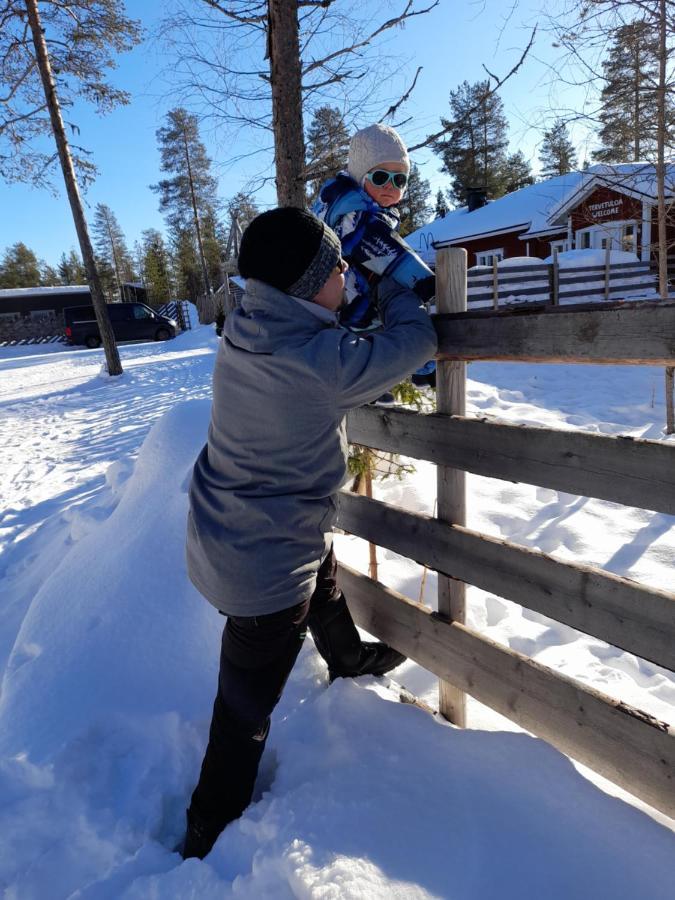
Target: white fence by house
(541,282)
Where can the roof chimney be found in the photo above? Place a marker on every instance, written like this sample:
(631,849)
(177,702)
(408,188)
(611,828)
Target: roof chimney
(476,197)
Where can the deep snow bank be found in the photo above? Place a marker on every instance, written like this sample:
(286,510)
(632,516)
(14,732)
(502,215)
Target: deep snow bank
(104,710)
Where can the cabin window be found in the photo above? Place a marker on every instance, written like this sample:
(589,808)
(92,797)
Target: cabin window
(615,235)
(561,246)
(628,237)
(584,239)
(38,315)
(487,257)
(8,317)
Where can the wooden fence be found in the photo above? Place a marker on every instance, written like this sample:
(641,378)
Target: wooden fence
(178,310)
(542,282)
(622,743)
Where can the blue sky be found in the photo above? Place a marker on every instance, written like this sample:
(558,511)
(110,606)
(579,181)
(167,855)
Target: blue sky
(451,43)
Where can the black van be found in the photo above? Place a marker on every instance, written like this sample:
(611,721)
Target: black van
(130,322)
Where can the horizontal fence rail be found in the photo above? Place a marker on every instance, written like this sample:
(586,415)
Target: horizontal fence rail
(639,333)
(624,744)
(617,610)
(624,470)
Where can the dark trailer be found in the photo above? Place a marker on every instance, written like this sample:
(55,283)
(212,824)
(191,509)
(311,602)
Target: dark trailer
(39,303)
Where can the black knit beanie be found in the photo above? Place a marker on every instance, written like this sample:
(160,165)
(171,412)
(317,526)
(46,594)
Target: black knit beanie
(291,249)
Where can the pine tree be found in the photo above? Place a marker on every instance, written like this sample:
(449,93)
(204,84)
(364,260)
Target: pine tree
(19,267)
(49,276)
(156,267)
(516,172)
(214,243)
(414,206)
(327,147)
(441,205)
(557,154)
(108,279)
(243,208)
(82,40)
(111,246)
(628,99)
(71,270)
(186,266)
(474,150)
(188,196)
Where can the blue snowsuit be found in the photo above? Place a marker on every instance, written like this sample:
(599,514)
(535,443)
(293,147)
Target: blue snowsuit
(372,246)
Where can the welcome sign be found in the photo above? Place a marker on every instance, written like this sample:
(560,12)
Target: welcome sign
(607,209)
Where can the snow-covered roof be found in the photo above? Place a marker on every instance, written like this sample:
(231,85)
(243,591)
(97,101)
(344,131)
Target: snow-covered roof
(537,209)
(527,208)
(15,293)
(637,179)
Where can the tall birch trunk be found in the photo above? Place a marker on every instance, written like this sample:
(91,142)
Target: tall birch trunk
(286,78)
(101,310)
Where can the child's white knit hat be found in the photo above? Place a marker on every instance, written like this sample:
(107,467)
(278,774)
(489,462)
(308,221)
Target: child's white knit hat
(372,145)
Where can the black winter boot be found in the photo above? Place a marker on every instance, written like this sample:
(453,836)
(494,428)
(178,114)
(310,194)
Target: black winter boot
(338,641)
(376,659)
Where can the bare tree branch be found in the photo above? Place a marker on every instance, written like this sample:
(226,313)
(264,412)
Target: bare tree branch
(390,23)
(403,98)
(256,20)
(493,90)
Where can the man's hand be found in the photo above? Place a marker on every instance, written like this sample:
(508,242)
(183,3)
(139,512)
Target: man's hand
(425,288)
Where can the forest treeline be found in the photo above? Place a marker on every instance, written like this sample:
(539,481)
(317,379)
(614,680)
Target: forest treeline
(474,152)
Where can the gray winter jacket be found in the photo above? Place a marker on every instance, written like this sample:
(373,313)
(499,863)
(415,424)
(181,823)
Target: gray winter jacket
(262,494)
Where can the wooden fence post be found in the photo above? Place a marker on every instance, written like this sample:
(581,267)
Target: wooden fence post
(608,268)
(495,284)
(451,288)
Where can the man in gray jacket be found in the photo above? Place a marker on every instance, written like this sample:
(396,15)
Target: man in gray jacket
(262,497)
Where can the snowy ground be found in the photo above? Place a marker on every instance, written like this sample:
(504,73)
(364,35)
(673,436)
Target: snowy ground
(108,659)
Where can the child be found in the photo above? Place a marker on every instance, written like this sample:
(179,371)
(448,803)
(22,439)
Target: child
(360,206)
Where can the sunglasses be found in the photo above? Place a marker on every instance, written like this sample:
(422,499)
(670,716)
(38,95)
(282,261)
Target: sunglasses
(380,177)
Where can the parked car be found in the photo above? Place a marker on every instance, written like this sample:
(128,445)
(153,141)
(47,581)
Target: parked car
(130,322)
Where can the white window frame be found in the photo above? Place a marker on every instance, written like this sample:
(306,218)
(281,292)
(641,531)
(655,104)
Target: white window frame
(614,225)
(579,235)
(489,254)
(560,245)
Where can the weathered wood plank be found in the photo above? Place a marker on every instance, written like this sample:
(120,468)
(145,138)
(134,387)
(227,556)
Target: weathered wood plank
(626,745)
(614,609)
(624,470)
(628,334)
(451,482)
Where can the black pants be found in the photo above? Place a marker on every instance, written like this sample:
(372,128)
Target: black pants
(256,658)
